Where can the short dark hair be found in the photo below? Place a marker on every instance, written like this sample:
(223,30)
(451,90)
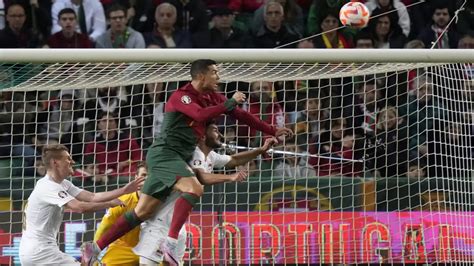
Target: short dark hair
(66,10)
(116,7)
(141,164)
(52,152)
(364,35)
(201,66)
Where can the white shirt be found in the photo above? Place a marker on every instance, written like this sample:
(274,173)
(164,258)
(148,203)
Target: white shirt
(93,10)
(213,160)
(45,209)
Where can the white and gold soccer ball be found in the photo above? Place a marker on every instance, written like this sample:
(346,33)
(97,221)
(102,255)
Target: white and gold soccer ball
(354,15)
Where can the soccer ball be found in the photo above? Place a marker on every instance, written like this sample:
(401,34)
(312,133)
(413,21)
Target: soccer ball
(354,14)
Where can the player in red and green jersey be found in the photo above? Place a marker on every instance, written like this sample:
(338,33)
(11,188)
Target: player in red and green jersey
(186,113)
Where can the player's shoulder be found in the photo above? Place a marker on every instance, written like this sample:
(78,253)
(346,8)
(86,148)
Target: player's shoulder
(128,199)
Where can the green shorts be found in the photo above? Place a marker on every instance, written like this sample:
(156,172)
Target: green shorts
(165,167)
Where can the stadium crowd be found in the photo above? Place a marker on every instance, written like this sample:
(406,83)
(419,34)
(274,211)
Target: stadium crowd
(381,126)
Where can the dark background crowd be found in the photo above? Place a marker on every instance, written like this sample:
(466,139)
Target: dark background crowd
(400,124)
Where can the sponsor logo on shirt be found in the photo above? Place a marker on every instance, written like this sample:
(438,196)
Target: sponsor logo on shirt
(197,162)
(186,99)
(62,194)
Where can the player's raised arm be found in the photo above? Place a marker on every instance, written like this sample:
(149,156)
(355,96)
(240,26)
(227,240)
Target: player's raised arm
(83,207)
(133,186)
(246,156)
(185,104)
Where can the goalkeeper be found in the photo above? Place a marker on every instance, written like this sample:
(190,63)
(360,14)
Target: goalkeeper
(120,252)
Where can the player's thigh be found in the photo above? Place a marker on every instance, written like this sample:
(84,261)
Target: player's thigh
(189,185)
(120,255)
(146,206)
(165,168)
(48,256)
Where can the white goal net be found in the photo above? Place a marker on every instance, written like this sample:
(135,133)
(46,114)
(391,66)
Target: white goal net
(380,169)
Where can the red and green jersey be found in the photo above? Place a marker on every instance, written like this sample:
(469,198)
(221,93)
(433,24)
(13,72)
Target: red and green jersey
(187,112)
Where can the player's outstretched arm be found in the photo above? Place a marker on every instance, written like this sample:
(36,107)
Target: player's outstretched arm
(201,114)
(108,220)
(82,207)
(88,196)
(212,179)
(242,158)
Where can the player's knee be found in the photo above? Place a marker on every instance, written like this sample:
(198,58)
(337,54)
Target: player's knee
(197,189)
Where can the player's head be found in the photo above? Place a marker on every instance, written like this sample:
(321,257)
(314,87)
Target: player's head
(206,75)
(213,136)
(57,158)
(142,171)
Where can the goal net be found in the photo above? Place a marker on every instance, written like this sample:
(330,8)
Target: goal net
(379,171)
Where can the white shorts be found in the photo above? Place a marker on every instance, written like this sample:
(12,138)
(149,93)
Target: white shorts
(155,230)
(34,252)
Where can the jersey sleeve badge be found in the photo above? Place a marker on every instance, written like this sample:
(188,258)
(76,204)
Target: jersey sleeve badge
(186,99)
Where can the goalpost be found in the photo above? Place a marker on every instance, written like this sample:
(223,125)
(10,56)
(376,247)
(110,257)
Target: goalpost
(380,169)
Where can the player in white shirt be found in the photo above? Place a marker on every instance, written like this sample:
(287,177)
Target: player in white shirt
(154,231)
(45,208)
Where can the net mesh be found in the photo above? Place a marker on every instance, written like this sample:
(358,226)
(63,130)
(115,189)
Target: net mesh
(380,169)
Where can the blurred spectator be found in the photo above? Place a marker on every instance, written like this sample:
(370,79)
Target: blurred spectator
(430,34)
(364,40)
(337,145)
(415,44)
(262,104)
(367,103)
(222,34)
(16,34)
(17,128)
(466,42)
(449,150)
(90,15)
(332,38)
(166,34)
(320,8)
(421,13)
(60,123)
(68,37)
(191,15)
(148,105)
(311,122)
(115,153)
(422,112)
(465,23)
(392,6)
(293,17)
(390,155)
(274,33)
(107,100)
(387,33)
(416,170)
(119,35)
(293,166)
(2,14)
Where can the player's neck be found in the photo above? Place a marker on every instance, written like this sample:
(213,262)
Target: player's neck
(205,149)
(54,176)
(197,86)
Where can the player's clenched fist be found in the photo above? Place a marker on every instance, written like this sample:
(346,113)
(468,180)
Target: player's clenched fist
(239,97)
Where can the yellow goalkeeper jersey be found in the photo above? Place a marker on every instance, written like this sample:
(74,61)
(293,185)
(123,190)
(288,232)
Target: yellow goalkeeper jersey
(120,251)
